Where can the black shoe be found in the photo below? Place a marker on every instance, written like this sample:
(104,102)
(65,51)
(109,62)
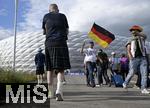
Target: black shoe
(59,97)
(88,85)
(109,85)
(93,85)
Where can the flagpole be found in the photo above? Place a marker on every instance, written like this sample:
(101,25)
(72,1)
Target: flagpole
(15,33)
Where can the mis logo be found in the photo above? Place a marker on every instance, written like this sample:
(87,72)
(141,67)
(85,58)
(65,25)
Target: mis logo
(24,93)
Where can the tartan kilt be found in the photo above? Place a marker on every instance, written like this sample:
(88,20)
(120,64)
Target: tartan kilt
(57,58)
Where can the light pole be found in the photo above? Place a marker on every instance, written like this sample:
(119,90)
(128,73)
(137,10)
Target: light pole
(15,33)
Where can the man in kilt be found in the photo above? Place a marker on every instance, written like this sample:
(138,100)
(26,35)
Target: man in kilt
(55,26)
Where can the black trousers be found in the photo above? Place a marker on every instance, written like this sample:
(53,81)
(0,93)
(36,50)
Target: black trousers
(102,72)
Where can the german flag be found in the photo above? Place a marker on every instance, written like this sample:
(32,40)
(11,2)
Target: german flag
(101,36)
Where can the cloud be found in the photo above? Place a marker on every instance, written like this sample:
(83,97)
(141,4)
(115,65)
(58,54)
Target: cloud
(4,33)
(3,12)
(33,16)
(114,15)
(117,16)
(37,9)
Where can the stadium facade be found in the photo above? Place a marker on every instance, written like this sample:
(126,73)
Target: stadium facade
(28,44)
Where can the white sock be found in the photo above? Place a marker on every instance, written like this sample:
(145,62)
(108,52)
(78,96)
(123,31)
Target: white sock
(59,83)
(59,87)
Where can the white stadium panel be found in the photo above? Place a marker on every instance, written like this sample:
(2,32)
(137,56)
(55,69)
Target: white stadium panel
(28,43)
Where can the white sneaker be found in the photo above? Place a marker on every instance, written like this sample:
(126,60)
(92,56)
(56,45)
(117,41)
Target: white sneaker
(124,86)
(145,91)
(97,85)
(136,87)
(64,82)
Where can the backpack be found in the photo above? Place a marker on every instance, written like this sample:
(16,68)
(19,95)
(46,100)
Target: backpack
(117,80)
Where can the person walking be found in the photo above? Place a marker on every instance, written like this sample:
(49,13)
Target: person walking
(89,63)
(39,62)
(102,64)
(55,27)
(137,57)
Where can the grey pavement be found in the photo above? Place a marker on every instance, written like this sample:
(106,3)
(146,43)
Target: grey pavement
(78,95)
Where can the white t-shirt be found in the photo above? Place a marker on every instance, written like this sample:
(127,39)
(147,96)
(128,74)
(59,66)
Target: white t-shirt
(90,55)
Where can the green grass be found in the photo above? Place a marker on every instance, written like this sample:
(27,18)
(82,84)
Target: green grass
(8,76)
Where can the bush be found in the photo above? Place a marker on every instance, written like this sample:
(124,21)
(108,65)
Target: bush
(8,76)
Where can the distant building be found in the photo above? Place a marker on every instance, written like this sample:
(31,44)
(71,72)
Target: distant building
(28,43)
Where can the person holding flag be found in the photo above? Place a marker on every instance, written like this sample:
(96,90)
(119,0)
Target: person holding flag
(89,62)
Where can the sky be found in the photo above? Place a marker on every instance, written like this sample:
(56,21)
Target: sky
(117,16)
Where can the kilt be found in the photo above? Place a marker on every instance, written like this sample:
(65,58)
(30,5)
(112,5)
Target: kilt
(40,70)
(57,57)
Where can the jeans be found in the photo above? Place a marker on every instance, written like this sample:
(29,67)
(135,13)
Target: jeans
(90,69)
(138,82)
(134,65)
(87,77)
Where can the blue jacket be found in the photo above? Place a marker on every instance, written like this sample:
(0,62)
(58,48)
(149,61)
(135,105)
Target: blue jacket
(39,59)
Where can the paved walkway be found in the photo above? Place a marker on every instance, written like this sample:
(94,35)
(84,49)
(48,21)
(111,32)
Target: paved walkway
(77,95)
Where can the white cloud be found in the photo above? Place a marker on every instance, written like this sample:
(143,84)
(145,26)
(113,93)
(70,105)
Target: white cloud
(115,15)
(110,14)
(4,33)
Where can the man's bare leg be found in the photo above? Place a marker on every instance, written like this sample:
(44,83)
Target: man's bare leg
(41,79)
(50,84)
(38,79)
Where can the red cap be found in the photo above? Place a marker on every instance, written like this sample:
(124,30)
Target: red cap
(136,27)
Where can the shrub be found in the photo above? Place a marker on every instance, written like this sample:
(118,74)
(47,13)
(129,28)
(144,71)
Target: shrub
(8,76)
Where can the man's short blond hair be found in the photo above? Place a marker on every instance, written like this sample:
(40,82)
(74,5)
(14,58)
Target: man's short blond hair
(53,8)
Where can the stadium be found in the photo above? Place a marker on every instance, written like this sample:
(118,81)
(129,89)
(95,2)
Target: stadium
(27,45)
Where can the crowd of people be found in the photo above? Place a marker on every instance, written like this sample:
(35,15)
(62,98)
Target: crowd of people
(136,61)
(96,63)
